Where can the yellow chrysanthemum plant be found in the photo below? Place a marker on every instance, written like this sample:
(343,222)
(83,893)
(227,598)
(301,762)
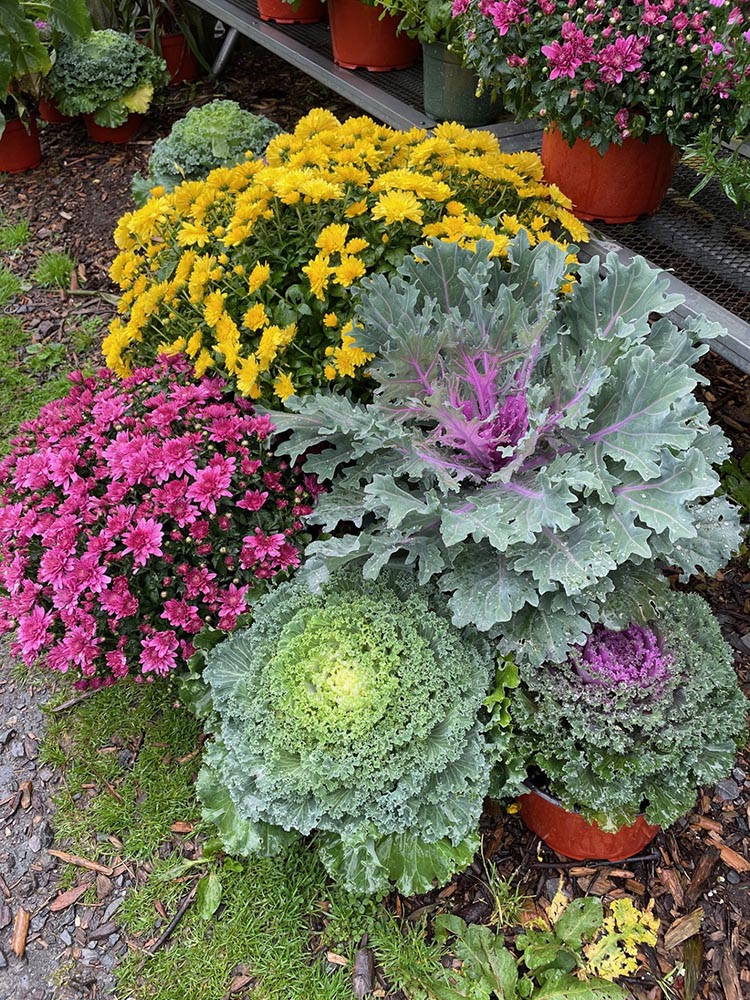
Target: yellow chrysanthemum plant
(249,272)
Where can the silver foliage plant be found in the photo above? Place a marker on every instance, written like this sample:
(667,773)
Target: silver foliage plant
(533,446)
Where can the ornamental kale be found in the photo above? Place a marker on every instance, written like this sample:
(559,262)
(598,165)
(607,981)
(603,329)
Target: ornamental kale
(609,749)
(219,134)
(534,448)
(629,656)
(355,713)
(135,512)
(107,74)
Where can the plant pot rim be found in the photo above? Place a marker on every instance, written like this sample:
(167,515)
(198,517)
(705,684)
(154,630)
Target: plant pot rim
(534,789)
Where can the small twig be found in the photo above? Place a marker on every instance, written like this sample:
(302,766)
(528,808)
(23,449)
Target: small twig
(74,701)
(74,859)
(20,932)
(169,929)
(599,864)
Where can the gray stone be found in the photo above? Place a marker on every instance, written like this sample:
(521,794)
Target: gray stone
(17,749)
(35,844)
(3,960)
(733,877)
(738,774)
(65,937)
(727,790)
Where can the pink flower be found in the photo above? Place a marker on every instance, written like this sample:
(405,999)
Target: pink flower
(158,653)
(253,499)
(212,483)
(622,56)
(34,631)
(563,59)
(144,540)
(118,601)
(182,615)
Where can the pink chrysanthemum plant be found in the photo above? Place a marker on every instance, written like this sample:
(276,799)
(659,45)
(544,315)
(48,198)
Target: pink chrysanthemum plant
(135,513)
(604,70)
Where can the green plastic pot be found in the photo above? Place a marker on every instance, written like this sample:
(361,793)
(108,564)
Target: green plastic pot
(450,89)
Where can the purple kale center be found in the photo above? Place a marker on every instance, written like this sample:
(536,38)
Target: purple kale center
(632,656)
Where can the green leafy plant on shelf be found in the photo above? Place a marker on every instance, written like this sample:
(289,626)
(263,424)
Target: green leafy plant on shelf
(24,55)
(533,445)
(107,74)
(218,134)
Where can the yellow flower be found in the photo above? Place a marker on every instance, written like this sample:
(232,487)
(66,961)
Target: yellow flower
(194,344)
(204,362)
(192,233)
(330,320)
(175,347)
(318,272)
(247,374)
(333,238)
(347,357)
(184,266)
(349,270)
(255,318)
(283,387)
(397,206)
(356,245)
(330,372)
(258,277)
(355,209)
(213,307)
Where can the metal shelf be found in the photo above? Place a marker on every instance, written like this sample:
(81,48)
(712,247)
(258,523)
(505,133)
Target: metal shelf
(704,248)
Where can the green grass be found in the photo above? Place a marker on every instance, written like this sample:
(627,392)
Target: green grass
(13,235)
(127,741)
(263,928)
(86,335)
(10,286)
(53,270)
(22,393)
(411,963)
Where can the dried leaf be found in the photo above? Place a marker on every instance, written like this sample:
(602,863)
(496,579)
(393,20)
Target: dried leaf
(335,959)
(181,827)
(20,932)
(239,983)
(683,928)
(66,899)
(159,907)
(25,788)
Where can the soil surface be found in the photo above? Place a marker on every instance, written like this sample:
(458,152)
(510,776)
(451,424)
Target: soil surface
(700,866)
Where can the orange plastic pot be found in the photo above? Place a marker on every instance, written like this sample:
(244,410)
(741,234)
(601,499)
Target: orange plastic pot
(122,134)
(19,149)
(362,40)
(570,834)
(305,12)
(49,112)
(626,182)
(182,65)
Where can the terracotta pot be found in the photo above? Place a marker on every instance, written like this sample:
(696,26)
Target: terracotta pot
(49,112)
(306,12)
(122,134)
(628,181)
(361,40)
(182,65)
(570,834)
(19,149)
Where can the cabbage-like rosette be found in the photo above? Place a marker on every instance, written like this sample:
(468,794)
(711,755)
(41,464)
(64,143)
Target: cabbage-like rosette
(357,713)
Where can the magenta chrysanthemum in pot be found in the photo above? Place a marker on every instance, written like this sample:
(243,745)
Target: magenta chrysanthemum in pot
(136,512)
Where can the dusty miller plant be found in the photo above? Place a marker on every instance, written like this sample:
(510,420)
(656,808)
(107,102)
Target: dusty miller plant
(534,448)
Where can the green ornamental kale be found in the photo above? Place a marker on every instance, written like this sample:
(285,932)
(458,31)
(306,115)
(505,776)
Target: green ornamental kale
(218,134)
(107,74)
(609,742)
(535,450)
(356,713)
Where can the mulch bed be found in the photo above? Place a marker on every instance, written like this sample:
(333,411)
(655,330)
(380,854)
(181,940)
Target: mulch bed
(697,873)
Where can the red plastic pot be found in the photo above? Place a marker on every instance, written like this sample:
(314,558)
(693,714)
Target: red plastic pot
(306,12)
(626,182)
(362,40)
(122,134)
(570,834)
(19,149)
(182,65)
(49,112)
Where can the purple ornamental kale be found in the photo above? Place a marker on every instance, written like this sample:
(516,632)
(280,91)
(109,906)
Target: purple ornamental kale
(632,656)
(506,429)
